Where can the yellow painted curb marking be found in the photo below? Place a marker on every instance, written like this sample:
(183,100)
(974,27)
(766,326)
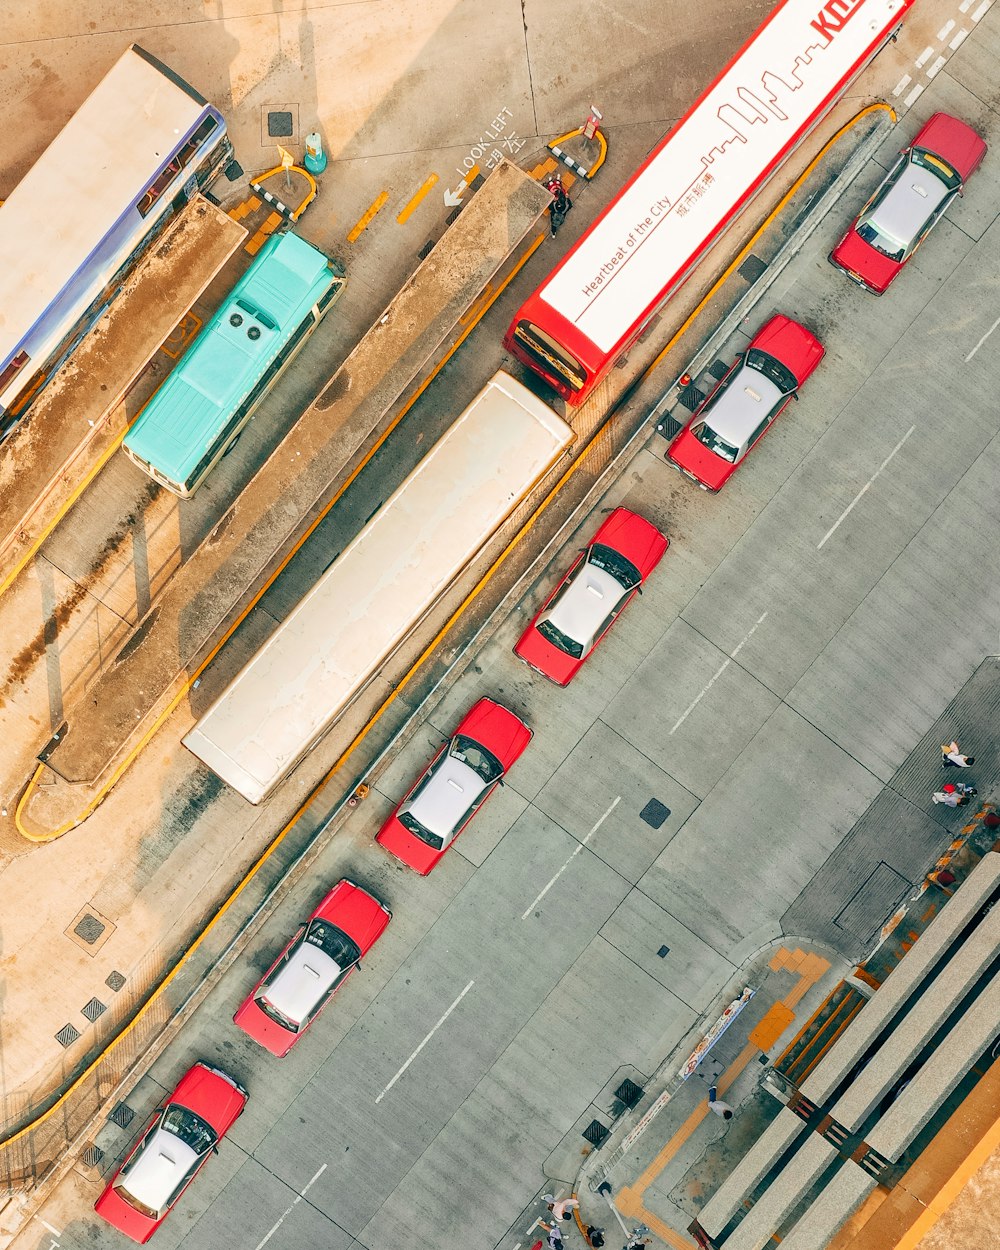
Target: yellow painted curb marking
(367,218)
(428,182)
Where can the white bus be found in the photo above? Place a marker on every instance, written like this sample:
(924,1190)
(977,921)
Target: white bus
(137,149)
(379,588)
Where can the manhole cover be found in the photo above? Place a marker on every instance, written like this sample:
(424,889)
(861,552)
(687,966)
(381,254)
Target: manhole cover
(93,1009)
(629,1093)
(115,981)
(654,813)
(596,1132)
(92,1156)
(67,1035)
(752,268)
(89,928)
(122,1115)
(669,427)
(279,125)
(691,397)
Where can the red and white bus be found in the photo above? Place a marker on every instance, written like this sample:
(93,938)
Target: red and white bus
(597,302)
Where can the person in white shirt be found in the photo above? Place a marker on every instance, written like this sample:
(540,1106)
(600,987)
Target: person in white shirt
(952,757)
(716,1104)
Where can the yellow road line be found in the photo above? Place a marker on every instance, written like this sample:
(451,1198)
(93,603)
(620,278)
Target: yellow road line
(367,218)
(428,182)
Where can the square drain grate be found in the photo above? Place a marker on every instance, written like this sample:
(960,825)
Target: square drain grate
(669,427)
(115,981)
(654,813)
(691,397)
(92,1156)
(752,268)
(93,1009)
(595,1132)
(280,125)
(122,1115)
(67,1035)
(89,928)
(629,1093)
(718,369)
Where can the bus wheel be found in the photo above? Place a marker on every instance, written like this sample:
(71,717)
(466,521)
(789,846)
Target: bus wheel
(232,445)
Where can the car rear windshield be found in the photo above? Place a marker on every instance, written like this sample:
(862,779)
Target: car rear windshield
(772,369)
(482,762)
(412,825)
(614,563)
(558,639)
(190,1128)
(705,434)
(333,942)
(947,173)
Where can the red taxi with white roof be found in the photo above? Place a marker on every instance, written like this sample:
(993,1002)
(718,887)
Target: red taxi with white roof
(459,779)
(172,1151)
(587,602)
(726,426)
(909,202)
(312,967)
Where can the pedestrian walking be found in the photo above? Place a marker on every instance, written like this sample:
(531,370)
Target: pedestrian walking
(716,1104)
(595,1236)
(952,757)
(561,203)
(555,1238)
(951,796)
(561,1209)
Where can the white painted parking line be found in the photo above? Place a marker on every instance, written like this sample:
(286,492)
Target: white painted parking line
(982,340)
(423,1044)
(538,898)
(288,1210)
(965,6)
(923,57)
(903,83)
(45,1224)
(864,489)
(936,66)
(981,10)
(917,90)
(945,31)
(959,38)
(718,673)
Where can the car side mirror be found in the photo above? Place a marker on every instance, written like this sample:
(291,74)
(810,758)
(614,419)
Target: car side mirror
(215,1150)
(638,589)
(795,396)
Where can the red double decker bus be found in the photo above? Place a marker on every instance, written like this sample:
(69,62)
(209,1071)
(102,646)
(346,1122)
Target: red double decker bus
(597,302)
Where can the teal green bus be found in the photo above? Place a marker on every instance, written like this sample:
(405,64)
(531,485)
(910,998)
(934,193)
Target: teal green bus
(198,413)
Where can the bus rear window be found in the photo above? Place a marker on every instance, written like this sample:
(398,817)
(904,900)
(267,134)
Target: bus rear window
(549,355)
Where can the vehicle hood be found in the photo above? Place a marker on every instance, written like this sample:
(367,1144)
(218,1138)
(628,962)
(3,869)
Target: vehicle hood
(796,347)
(552,663)
(264,1031)
(210,1095)
(635,538)
(855,255)
(954,141)
(687,453)
(355,912)
(401,843)
(497,729)
(125,1217)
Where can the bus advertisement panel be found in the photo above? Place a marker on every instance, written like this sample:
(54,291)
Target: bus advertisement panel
(598,300)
